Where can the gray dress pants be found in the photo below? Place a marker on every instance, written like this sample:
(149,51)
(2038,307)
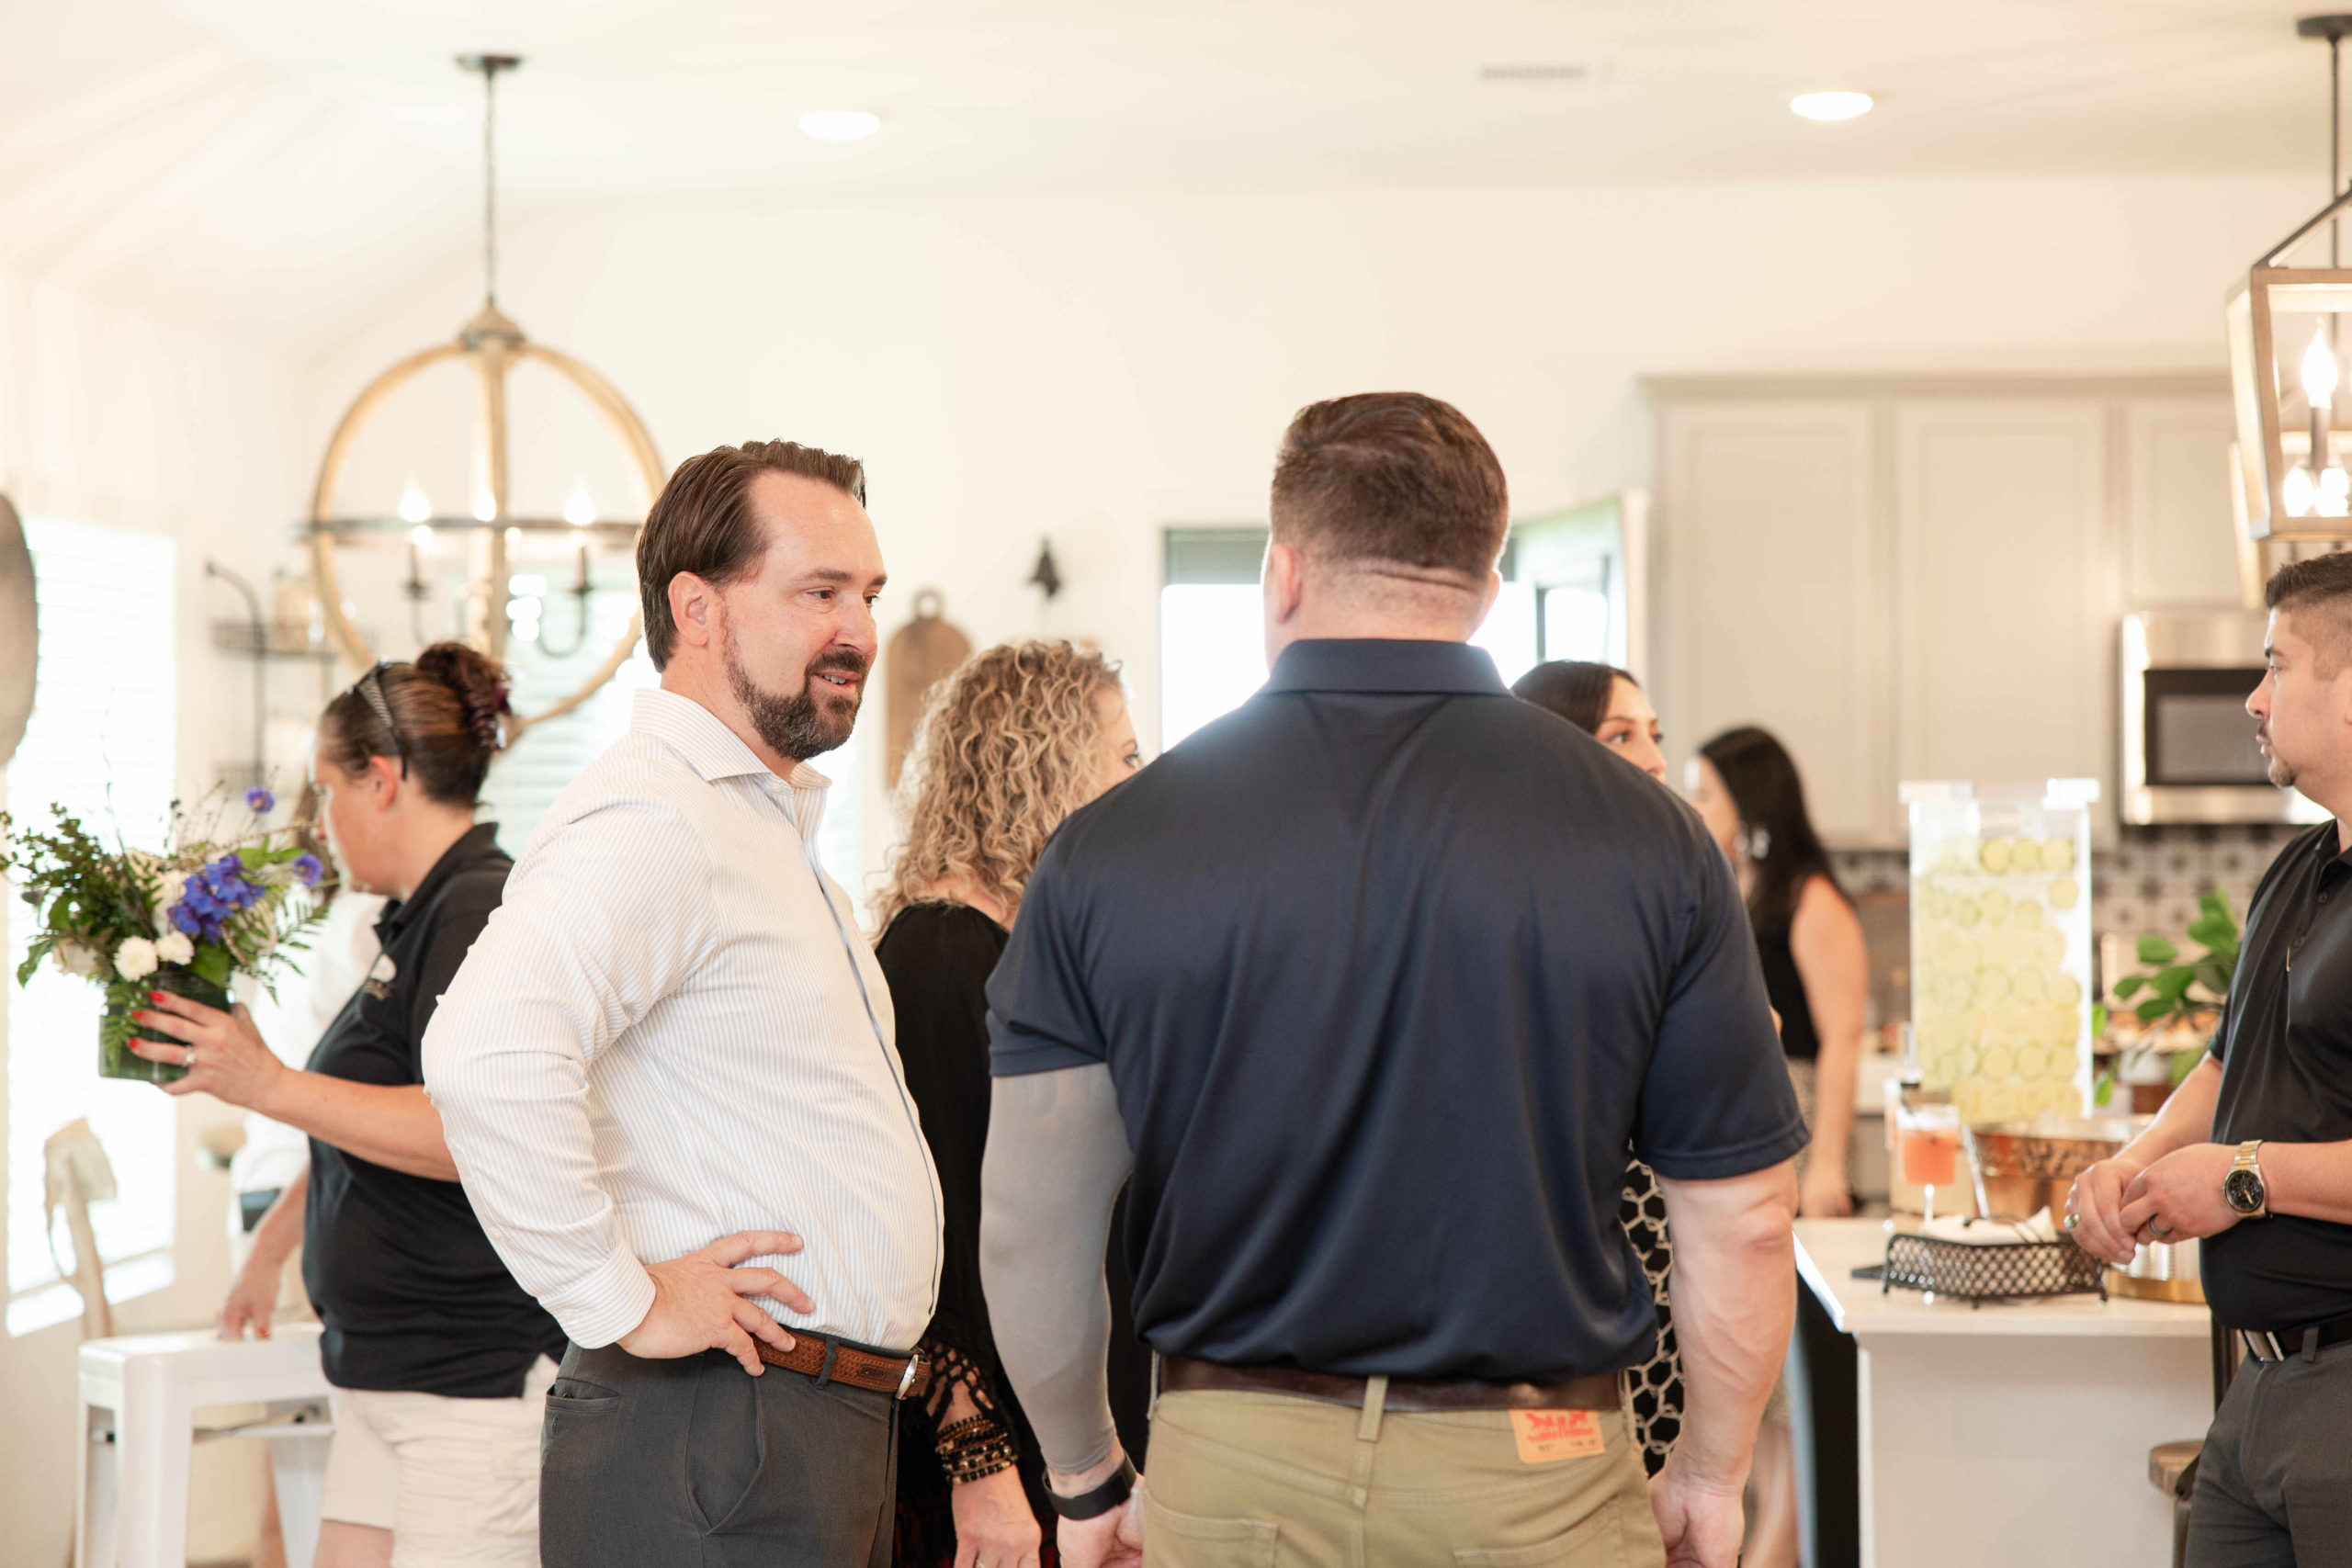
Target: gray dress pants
(660,1464)
(2274,1480)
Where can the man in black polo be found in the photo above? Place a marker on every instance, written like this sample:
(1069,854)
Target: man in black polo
(1369,985)
(2253,1153)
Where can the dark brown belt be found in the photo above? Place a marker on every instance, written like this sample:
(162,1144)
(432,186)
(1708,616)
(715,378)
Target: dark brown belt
(829,1360)
(1183,1374)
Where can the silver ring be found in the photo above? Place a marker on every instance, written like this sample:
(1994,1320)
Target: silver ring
(187,1056)
(2071,1221)
(2158,1229)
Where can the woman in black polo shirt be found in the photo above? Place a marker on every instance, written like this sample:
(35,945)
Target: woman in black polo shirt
(439,1359)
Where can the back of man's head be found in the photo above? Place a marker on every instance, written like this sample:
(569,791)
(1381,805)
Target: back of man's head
(1391,484)
(2318,594)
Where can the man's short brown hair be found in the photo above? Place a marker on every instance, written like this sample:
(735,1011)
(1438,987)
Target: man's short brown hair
(1392,479)
(703,522)
(2323,584)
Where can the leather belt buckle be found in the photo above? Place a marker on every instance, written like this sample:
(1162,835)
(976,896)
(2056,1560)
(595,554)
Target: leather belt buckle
(907,1378)
(2259,1340)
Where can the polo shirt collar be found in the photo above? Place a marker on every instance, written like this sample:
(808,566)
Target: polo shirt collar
(478,841)
(699,736)
(1379,664)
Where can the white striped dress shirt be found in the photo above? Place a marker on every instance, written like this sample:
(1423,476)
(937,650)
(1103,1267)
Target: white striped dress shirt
(672,1031)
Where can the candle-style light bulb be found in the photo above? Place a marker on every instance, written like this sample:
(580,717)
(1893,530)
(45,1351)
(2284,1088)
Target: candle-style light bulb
(421,536)
(2321,374)
(485,507)
(581,509)
(2298,490)
(414,507)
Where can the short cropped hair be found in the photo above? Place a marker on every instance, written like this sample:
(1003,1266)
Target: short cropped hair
(1393,479)
(703,522)
(2323,584)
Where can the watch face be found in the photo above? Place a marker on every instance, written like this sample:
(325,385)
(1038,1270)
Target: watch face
(2243,1190)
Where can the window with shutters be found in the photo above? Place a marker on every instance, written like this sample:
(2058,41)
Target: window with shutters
(101,743)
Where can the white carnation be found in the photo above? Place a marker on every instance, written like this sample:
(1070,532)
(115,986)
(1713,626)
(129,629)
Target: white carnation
(174,947)
(77,958)
(135,959)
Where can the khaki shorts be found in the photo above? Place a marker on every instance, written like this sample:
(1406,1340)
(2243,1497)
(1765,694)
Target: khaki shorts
(1247,1479)
(455,1481)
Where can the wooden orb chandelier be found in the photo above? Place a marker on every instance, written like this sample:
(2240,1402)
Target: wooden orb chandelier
(492,344)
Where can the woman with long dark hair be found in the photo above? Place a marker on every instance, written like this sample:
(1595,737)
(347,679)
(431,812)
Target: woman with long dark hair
(1608,704)
(1816,972)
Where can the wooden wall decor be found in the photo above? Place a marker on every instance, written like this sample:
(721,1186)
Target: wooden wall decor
(19,632)
(922,653)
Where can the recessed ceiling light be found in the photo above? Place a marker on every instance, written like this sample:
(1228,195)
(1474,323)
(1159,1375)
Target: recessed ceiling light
(839,125)
(1830,105)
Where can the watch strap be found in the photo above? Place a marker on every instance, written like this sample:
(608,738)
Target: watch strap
(1100,1500)
(2249,1162)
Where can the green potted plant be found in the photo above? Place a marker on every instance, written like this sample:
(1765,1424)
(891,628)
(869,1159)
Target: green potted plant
(2177,988)
(187,921)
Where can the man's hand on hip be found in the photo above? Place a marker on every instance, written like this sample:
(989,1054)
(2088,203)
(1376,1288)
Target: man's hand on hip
(703,1302)
(1702,1526)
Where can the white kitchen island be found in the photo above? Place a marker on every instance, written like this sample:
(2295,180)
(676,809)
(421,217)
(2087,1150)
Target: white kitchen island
(2010,1433)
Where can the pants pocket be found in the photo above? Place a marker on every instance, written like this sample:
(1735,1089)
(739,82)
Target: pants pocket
(1594,1542)
(1192,1540)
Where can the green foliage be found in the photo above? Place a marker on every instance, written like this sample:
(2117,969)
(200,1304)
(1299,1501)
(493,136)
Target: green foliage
(2177,988)
(88,899)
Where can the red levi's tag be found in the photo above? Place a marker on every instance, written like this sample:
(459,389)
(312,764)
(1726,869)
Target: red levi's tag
(1547,1435)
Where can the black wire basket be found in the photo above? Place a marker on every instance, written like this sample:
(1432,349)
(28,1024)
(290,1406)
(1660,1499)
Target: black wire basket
(1990,1272)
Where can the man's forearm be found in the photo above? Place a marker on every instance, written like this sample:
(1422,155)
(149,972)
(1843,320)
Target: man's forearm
(2313,1180)
(1733,1287)
(2187,1118)
(1056,1156)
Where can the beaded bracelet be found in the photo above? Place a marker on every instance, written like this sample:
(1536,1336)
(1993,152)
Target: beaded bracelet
(973,1447)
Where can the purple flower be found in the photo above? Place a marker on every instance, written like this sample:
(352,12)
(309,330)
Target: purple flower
(258,800)
(184,918)
(308,869)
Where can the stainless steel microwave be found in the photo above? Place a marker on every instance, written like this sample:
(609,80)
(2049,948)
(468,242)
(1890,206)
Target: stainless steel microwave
(2188,749)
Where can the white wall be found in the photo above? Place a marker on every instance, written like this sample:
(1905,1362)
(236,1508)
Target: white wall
(114,419)
(1096,369)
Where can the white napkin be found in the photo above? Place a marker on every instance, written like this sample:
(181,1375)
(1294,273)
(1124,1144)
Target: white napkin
(1988,1233)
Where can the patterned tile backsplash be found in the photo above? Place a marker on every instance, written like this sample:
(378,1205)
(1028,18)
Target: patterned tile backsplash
(2147,883)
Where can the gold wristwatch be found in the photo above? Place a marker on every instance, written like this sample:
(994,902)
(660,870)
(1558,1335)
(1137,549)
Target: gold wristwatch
(2242,1188)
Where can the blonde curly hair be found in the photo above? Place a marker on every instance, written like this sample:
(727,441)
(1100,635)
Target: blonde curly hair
(1004,750)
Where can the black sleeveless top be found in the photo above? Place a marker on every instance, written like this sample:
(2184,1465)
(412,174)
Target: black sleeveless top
(1785,987)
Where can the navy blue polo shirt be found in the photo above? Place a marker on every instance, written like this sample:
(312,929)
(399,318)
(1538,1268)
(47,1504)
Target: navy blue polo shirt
(1388,967)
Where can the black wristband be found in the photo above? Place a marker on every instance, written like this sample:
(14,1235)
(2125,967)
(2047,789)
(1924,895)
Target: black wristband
(1100,1501)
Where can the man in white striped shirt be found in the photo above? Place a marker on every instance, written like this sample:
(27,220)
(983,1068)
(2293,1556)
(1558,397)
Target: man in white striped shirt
(667,1069)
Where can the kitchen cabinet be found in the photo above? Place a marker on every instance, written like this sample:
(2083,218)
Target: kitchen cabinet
(1912,577)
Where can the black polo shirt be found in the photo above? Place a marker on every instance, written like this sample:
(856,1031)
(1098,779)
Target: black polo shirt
(409,1290)
(1388,967)
(2286,1052)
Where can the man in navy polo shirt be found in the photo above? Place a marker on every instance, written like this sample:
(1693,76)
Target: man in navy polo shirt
(1364,990)
(2253,1153)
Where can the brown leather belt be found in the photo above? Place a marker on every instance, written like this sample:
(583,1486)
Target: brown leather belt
(828,1360)
(1183,1374)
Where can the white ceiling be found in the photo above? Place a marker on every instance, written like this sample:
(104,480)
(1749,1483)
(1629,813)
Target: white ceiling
(272,164)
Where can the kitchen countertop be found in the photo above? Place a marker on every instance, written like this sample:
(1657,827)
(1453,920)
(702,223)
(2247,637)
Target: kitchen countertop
(1829,1250)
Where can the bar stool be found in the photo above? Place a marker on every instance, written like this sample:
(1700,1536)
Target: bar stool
(140,1395)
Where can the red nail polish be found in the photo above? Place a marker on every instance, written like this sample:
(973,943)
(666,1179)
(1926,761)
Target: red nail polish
(155,996)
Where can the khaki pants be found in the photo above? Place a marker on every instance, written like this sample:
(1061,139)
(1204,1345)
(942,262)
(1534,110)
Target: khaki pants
(1274,1481)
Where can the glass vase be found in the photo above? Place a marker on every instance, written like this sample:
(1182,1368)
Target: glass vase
(115,1058)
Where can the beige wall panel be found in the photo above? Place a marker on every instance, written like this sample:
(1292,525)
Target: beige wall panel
(1773,594)
(2001,519)
(2177,543)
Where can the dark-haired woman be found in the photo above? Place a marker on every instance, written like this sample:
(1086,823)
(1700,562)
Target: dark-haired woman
(1608,704)
(438,1358)
(1817,973)
(1816,970)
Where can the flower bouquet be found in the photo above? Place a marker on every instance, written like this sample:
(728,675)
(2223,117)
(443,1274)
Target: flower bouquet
(184,921)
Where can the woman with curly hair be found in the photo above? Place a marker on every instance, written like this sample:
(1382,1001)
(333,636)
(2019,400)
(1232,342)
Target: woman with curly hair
(1013,742)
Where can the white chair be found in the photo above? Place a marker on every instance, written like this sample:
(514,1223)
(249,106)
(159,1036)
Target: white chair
(140,1395)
